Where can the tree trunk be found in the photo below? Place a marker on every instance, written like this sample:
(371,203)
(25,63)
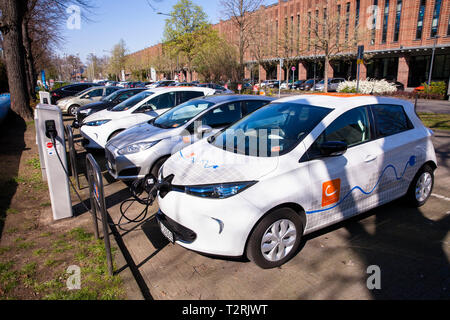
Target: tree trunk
(11,28)
(325,77)
(31,72)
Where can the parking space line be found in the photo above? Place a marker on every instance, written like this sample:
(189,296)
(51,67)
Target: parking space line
(440,197)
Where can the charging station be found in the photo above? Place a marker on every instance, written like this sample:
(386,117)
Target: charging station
(52,152)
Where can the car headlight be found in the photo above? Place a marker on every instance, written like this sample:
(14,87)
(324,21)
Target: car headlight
(136,147)
(219,191)
(96,123)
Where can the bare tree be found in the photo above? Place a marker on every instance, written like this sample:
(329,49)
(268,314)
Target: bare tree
(240,14)
(326,38)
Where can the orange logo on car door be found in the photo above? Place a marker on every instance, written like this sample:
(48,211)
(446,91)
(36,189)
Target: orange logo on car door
(331,192)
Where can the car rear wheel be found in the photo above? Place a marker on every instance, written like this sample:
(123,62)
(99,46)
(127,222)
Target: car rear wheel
(275,239)
(72,111)
(421,187)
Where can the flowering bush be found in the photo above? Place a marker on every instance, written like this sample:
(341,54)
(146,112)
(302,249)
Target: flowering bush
(369,86)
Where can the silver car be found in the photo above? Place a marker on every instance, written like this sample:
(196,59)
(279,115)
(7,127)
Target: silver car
(70,105)
(333,84)
(143,149)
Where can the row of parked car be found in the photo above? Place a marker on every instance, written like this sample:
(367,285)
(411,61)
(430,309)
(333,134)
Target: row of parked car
(315,84)
(251,175)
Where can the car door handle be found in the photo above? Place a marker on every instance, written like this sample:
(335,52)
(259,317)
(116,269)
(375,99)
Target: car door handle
(370,158)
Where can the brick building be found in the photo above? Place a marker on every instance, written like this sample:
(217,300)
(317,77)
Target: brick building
(399,47)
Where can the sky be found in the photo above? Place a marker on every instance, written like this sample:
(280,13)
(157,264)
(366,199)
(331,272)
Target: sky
(132,20)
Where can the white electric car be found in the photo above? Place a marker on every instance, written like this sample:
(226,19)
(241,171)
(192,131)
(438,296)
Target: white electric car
(292,167)
(98,128)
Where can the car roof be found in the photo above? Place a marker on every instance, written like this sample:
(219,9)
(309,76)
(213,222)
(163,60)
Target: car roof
(234,97)
(173,88)
(343,101)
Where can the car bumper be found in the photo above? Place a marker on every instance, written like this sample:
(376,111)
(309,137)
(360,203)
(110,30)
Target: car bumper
(221,226)
(91,139)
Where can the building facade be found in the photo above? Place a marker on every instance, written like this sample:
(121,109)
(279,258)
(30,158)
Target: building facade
(399,38)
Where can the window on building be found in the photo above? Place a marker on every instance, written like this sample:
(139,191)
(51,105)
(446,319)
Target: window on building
(448,27)
(398,17)
(292,35)
(374,22)
(385,21)
(309,31)
(358,5)
(298,34)
(435,21)
(325,23)
(338,31)
(423,4)
(347,20)
(276,37)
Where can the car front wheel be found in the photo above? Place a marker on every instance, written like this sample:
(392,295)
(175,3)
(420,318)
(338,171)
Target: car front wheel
(275,239)
(72,111)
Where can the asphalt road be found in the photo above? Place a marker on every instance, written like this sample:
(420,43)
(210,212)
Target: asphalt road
(410,246)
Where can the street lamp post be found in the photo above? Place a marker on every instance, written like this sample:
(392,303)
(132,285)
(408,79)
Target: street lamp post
(432,59)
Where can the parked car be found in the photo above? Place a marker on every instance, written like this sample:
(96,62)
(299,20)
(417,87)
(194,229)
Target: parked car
(284,86)
(400,86)
(328,159)
(70,105)
(99,128)
(111,83)
(273,84)
(296,85)
(219,89)
(333,84)
(5,105)
(69,91)
(142,149)
(308,84)
(107,102)
(162,83)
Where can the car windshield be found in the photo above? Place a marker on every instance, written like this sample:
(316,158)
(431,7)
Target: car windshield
(181,114)
(79,94)
(272,130)
(112,96)
(131,102)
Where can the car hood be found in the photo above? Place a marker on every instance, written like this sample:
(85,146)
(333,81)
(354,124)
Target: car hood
(143,132)
(202,163)
(65,100)
(106,114)
(96,105)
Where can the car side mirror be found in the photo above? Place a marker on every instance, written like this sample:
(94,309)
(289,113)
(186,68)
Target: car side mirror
(333,148)
(203,129)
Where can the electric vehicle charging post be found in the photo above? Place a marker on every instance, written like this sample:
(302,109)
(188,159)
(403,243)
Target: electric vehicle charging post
(52,152)
(97,199)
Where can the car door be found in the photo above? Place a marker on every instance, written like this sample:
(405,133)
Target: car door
(402,150)
(154,107)
(91,96)
(218,118)
(342,186)
(183,96)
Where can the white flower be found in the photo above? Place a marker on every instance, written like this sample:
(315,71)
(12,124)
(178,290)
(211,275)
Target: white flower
(369,86)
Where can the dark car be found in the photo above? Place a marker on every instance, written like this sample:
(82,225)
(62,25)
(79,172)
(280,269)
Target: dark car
(106,103)
(308,84)
(296,85)
(400,86)
(69,90)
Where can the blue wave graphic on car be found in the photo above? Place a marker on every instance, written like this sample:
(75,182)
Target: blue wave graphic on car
(205,163)
(411,162)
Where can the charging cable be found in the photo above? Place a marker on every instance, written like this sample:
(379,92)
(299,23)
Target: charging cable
(136,189)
